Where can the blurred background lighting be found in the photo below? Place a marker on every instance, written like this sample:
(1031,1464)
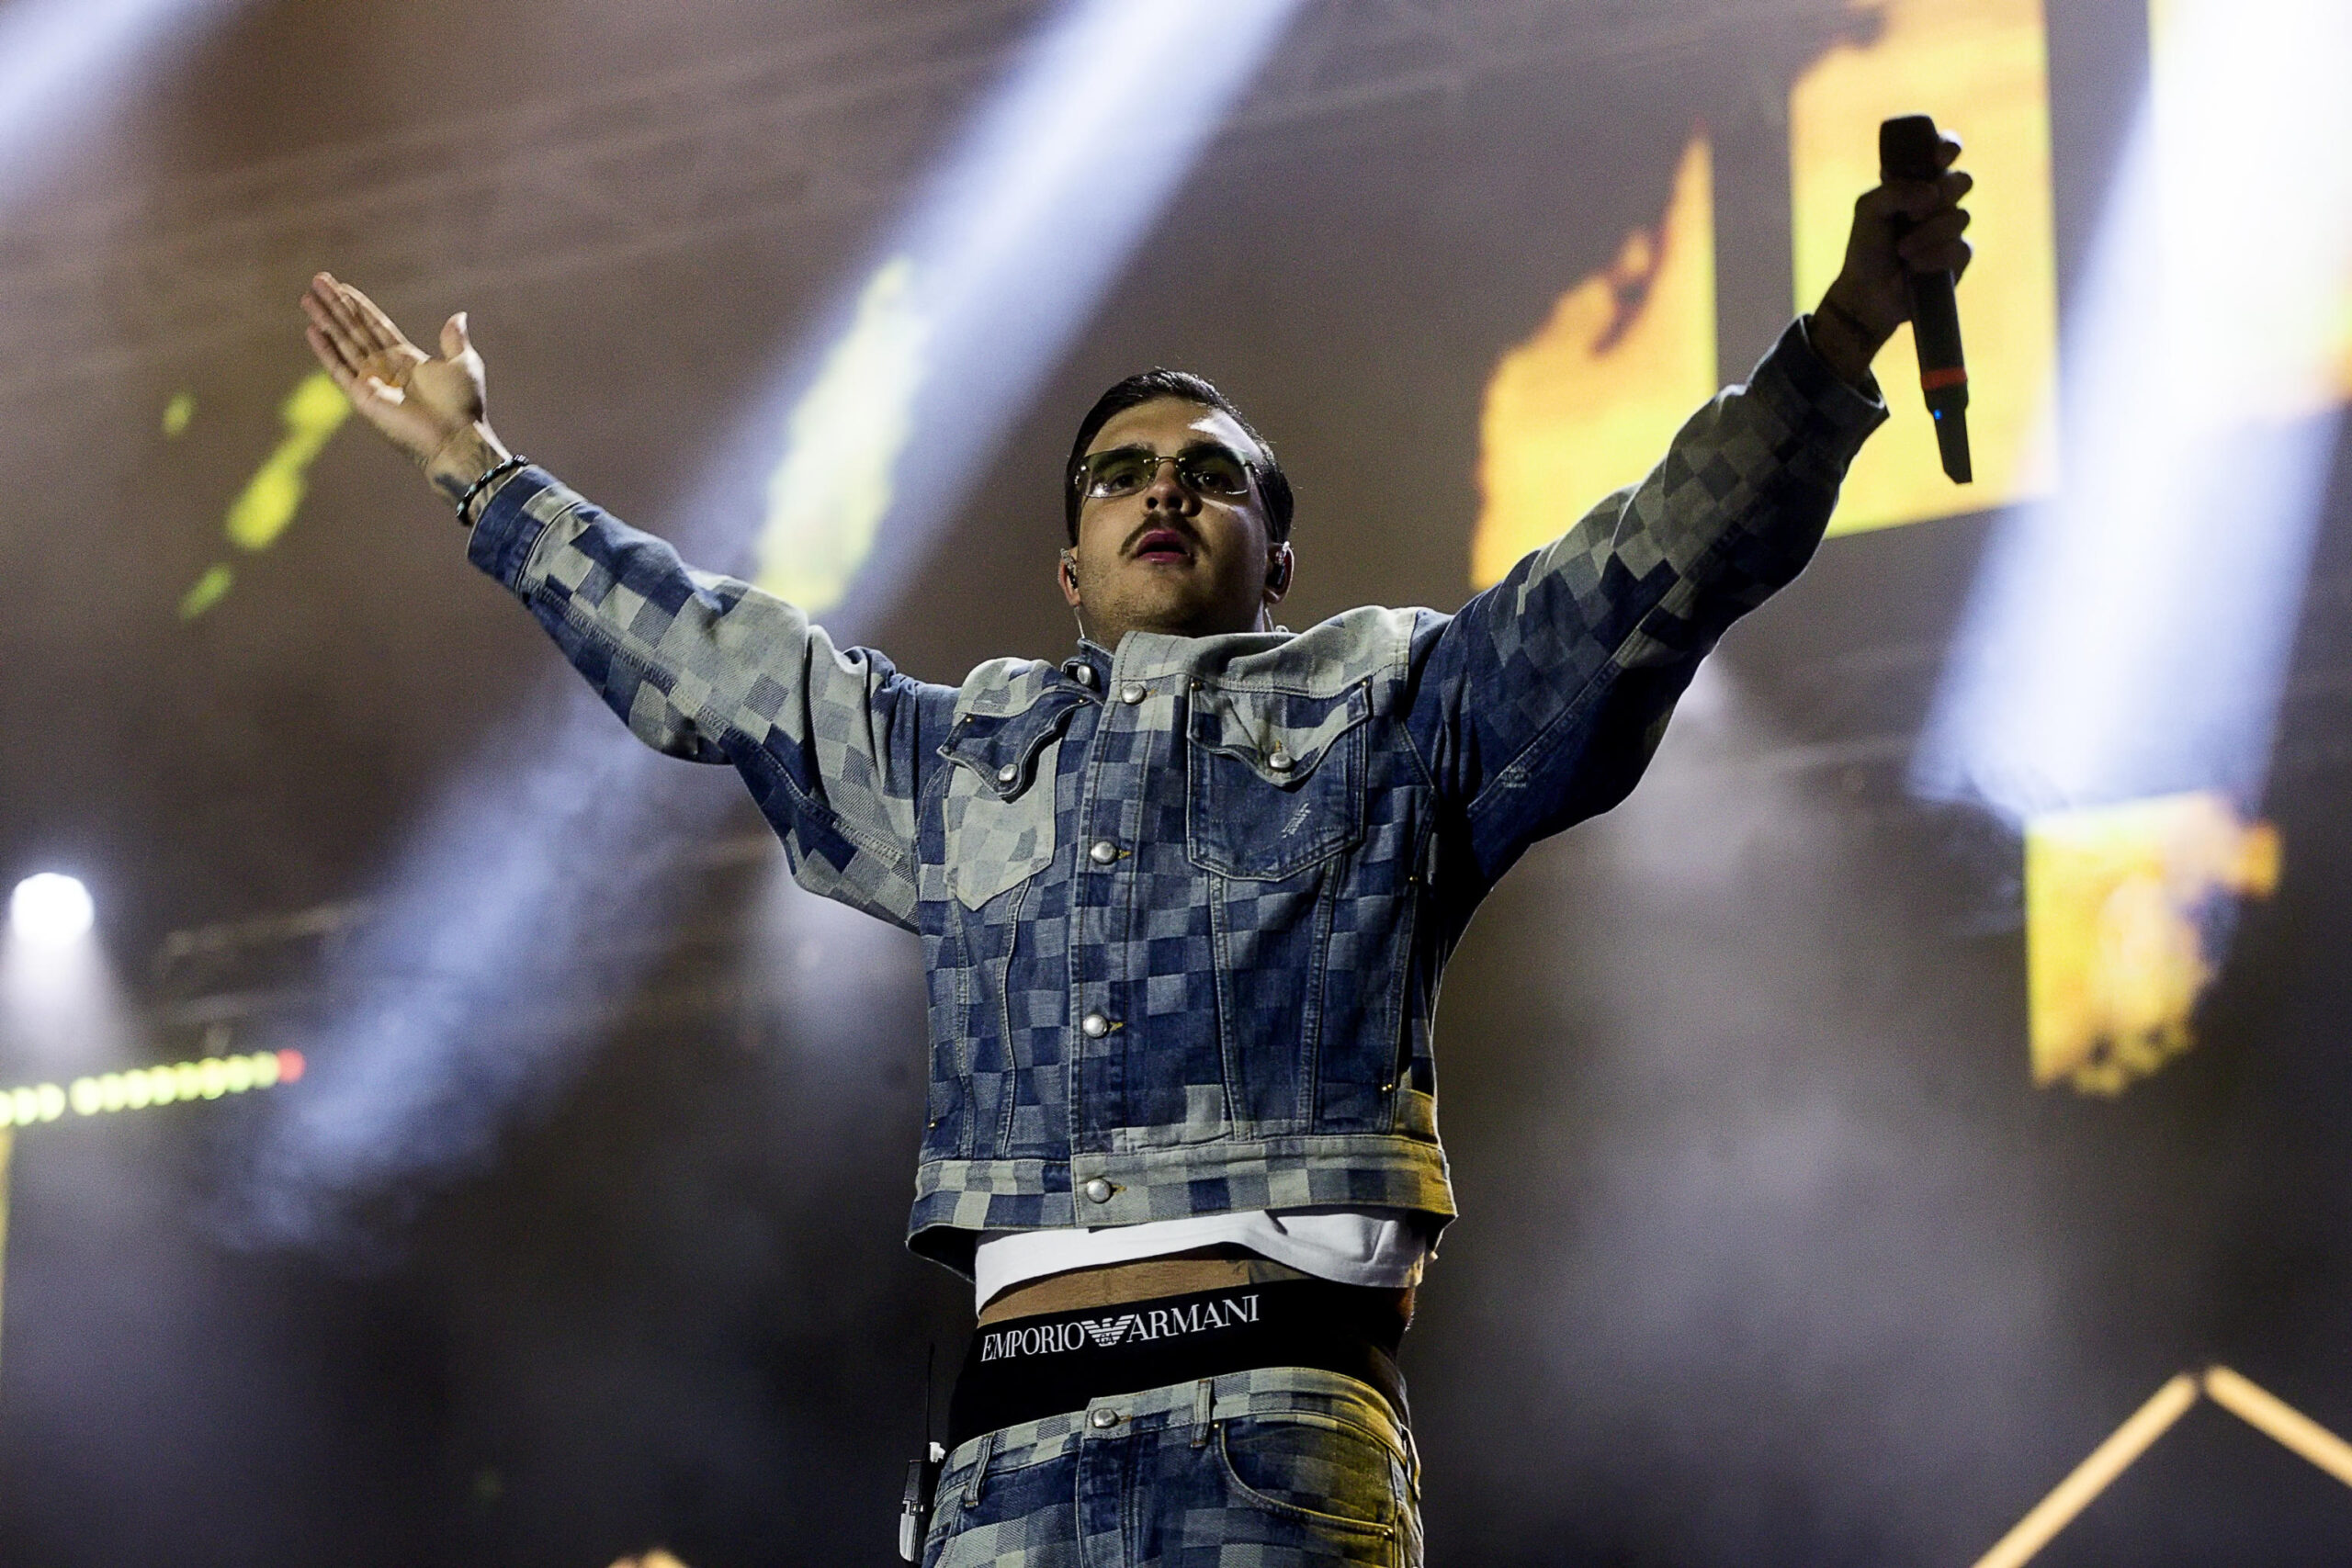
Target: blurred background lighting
(1000,259)
(49,910)
(2130,637)
(973,292)
(63,60)
(99,1095)
(2127,912)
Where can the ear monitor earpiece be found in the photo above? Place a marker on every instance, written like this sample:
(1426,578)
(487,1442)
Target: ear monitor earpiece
(1069,581)
(1278,573)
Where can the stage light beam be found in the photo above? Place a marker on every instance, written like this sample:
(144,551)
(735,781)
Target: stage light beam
(2125,648)
(2129,637)
(63,62)
(1002,256)
(997,262)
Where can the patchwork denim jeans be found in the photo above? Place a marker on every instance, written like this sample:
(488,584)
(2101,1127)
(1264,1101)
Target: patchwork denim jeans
(1284,1467)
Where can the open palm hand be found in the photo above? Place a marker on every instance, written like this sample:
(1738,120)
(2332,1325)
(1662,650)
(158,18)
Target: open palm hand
(420,403)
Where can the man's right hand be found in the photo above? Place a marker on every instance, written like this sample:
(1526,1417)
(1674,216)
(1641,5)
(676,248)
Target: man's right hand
(431,408)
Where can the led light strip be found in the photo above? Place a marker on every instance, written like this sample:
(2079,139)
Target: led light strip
(143,1089)
(2241,1396)
(2094,1476)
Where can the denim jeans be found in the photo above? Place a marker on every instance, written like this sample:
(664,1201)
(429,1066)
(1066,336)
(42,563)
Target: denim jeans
(1284,1467)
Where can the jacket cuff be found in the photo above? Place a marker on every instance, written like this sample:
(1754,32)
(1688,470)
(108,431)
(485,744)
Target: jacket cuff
(1814,396)
(511,521)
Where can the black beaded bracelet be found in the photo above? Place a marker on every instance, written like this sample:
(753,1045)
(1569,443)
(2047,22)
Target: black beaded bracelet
(1853,322)
(497,471)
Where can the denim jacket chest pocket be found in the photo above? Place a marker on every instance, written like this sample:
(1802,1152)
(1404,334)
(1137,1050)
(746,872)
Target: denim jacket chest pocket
(1276,779)
(999,807)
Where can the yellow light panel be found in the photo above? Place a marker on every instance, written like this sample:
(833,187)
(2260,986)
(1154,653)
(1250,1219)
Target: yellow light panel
(2119,901)
(1588,402)
(1980,67)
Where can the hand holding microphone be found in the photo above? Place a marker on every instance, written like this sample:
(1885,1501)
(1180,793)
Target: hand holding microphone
(1902,256)
(1911,149)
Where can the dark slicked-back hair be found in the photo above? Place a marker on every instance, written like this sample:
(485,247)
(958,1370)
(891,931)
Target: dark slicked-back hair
(1148,387)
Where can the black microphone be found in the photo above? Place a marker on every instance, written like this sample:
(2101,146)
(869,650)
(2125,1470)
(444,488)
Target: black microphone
(1910,149)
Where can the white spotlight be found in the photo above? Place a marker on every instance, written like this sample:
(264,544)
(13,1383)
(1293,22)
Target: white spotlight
(2118,647)
(50,911)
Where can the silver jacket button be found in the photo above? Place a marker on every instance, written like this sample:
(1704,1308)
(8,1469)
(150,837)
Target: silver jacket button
(1281,760)
(1103,853)
(1132,692)
(1098,1190)
(1083,674)
(1103,1419)
(1007,773)
(1094,1026)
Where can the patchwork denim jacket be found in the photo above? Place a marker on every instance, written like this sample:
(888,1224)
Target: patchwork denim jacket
(1184,906)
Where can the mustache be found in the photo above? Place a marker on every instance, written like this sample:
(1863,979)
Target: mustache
(1179,526)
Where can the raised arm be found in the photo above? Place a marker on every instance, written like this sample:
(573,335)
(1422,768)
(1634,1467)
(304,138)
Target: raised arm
(833,743)
(1540,703)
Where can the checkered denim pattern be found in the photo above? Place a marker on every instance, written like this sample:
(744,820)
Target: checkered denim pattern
(1281,1468)
(1184,907)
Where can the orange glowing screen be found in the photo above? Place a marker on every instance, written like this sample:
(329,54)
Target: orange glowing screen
(1588,402)
(1980,68)
(2121,904)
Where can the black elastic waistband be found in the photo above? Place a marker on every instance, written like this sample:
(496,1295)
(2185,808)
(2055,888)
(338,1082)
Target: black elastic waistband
(1027,1368)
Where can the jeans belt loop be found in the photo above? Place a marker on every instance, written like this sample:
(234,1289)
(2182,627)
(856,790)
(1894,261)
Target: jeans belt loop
(1204,1406)
(980,1470)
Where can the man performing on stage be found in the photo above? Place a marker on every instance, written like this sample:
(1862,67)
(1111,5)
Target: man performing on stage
(1186,895)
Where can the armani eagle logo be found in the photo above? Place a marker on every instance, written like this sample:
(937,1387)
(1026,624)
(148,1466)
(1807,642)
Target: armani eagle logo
(1123,1328)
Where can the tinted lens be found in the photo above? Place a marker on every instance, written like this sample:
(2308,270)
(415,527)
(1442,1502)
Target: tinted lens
(1120,472)
(1215,471)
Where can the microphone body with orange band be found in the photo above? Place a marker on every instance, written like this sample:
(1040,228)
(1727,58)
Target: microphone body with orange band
(1907,149)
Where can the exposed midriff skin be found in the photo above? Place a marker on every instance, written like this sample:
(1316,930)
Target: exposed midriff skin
(1115,1284)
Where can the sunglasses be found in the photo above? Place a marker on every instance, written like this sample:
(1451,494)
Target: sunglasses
(1206,469)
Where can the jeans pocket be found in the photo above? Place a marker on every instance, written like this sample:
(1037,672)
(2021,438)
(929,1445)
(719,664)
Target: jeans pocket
(980,1520)
(1329,1476)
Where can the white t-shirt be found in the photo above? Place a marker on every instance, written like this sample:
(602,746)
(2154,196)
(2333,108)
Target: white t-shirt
(1353,1247)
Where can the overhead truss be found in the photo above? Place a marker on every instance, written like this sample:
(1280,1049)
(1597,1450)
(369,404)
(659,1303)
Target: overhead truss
(571,182)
